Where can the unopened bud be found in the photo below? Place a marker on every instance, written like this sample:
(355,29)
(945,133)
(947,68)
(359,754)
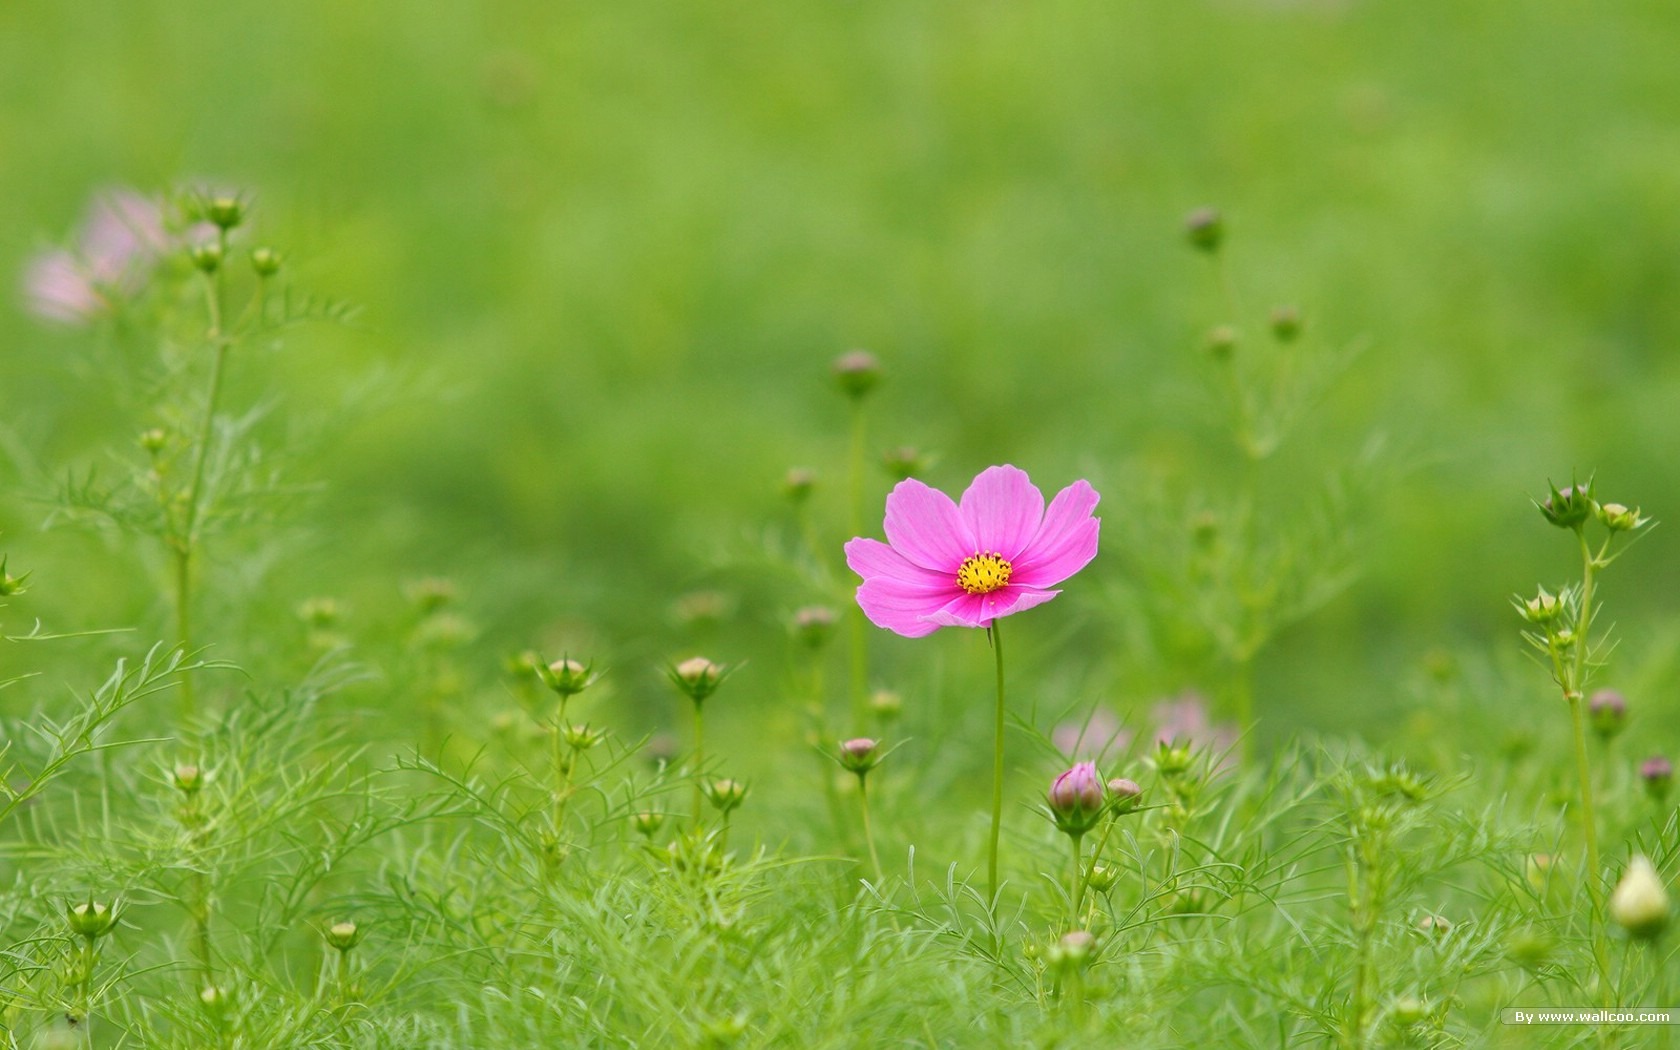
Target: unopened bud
(1569,507)
(11,585)
(154,440)
(1640,903)
(1542,609)
(813,625)
(697,678)
(566,677)
(1435,924)
(1205,228)
(1618,517)
(727,795)
(430,594)
(206,258)
(860,754)
(579,737)
(92,919)
(1076,946)
(1286,323)
(1658,774)
(905,462)
(342,935)
(1076,799)
(798,483)
(1608,712)
(265,261)
(647,822)
(1103,877)
(1173,760)
(857,372)
(188,779)
(225,212)
(886,704)
(1124,795)
(1221,342)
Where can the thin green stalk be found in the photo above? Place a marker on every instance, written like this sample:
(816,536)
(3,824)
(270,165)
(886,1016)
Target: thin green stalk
(699,762)
(84,991)
(201,924)
(857,638)
(1076,896)
(1574,687)
(997,769)
(868,832)
(562,771)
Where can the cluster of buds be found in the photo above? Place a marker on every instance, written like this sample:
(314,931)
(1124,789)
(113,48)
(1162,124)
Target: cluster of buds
(1079,799)
(1640,903)
(1573,505)
(697,678)
(1553,617)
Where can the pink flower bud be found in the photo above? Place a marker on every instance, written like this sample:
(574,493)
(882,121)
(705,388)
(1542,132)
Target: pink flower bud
(1076,798)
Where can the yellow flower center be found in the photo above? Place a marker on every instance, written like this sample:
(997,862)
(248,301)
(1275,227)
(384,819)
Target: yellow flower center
(983,573)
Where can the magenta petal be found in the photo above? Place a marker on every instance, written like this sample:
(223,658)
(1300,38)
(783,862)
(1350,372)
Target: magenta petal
(979,610)
(1003,508)
(872,558)
(924,526)
(899,608)
(1066,541)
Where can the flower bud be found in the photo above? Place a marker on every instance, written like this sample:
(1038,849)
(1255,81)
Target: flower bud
(319,613)
(860,755)
(1173,760)
(886,704)
(342,935)
(1408,1010)
(1076,799)
(798,483)
(1286,323)
(1205,228)
(857,372)
(727,795)
(566,677)
(1076,946)
(1639,904)
(1538,870)
(1658,774)
(579,737)
(1607,711)
(1618,518)
(1124,795)
(813,625)
(1103,877)
(214,997)
(153,440)
(1438,925)
(9,584)
(430,594)
(1542,609)
(697,678)
(265,261)
(206,258)
(1570,507)
(225,212)
(905,462)
(1221,343)
(647,822)
(91,920)
(188,779)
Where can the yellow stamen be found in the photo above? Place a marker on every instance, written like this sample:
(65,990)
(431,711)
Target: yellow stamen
(984,573)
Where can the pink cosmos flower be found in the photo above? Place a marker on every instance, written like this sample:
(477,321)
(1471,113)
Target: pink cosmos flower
(965,564)
(118,242)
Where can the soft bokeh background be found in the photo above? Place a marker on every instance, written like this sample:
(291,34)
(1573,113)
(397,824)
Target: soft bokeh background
(605,252)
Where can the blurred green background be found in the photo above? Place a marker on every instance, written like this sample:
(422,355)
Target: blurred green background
(605,253)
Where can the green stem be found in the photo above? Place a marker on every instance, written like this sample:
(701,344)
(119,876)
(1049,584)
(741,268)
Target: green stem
(1575,693)
(997,768)
(699,761)
(858,640)
(868,832)
(84,993)
(201,922)
(562,771)
(1077,895)
(186,544)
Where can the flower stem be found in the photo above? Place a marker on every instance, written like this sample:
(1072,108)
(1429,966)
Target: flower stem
(1574,691)
(997,768)
(699,761)
(562,770)
(1076,896)
(186,543)
(868,833)
(857,640)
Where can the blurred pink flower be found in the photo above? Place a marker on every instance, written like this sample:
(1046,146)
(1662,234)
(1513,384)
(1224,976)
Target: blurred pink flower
(965,564)
(1185,721)
(119,242)
(1094,737)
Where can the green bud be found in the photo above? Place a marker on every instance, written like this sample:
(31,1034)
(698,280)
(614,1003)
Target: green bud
(188,779)
(798,483)
(905,462)
(647,822)
(9,584)
(725,794)
(813,625)
(342,935)
(886,704)
(1618,518)
(154,440)
(1286,323)
(91,920)
(1542,609)
(1222,343)
(580,737)
(1103,877)
(860,755)
(1607,710)
(1436,925)
(225,212)
(1172,759)
(1570,507)
(206,258)
(1205,228)
(1123,795)
(1640,904)
(697,678)
(265,261)
(566,677)
(430,594)
(857,372)
(319,613)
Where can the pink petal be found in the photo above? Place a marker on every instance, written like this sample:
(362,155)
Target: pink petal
(924,526)
(898,607)
(1066,541)
(979,610)
(56,289)
(1003,509)
(871,558)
